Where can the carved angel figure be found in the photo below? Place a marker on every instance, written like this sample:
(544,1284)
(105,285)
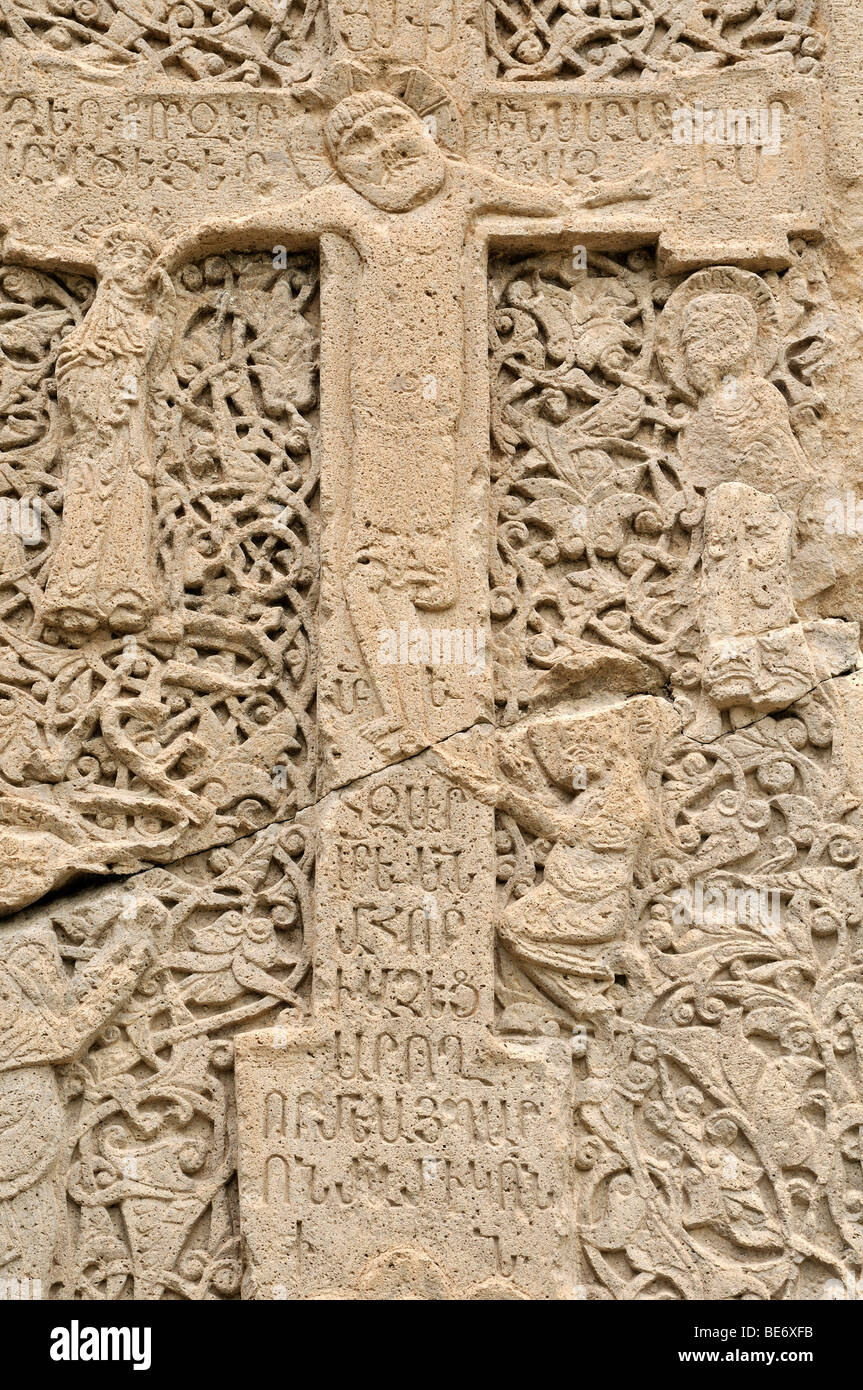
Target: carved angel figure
(740,429)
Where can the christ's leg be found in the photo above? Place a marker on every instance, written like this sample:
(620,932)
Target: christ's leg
(376,608)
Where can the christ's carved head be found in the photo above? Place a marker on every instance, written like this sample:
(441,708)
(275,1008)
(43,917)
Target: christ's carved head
(383,150)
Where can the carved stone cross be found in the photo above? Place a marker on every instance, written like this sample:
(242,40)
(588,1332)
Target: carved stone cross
(392,1143)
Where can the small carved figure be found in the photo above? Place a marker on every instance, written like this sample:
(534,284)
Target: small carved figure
(569,932)
(46,1019)
(755,649)
(102,571)
(717,339)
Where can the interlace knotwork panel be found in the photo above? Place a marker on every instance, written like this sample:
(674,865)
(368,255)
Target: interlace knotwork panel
(121,1163)
(265,44)
(693,919)
(679,873)
(638,38)
(160,560)
(634,417)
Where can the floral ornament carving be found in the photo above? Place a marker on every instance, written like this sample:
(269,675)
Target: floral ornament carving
(713,995)
(265,44)
(158,634)
(141,1129)
(605,454)
(591,39)
(653,441)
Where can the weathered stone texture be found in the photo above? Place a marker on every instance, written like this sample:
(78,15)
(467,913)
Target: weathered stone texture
(430,576)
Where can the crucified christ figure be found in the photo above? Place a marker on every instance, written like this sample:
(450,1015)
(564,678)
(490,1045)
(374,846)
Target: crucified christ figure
(407,209)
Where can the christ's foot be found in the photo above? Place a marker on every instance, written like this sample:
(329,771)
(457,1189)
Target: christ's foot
(127,613)
(79,618)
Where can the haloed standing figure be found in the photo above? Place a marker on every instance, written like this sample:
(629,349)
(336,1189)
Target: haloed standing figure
(102,573)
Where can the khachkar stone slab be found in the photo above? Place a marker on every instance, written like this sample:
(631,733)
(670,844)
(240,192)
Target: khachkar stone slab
(430,587)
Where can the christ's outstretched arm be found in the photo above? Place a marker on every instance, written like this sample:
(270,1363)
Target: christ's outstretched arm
(492,194)
(296,225)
